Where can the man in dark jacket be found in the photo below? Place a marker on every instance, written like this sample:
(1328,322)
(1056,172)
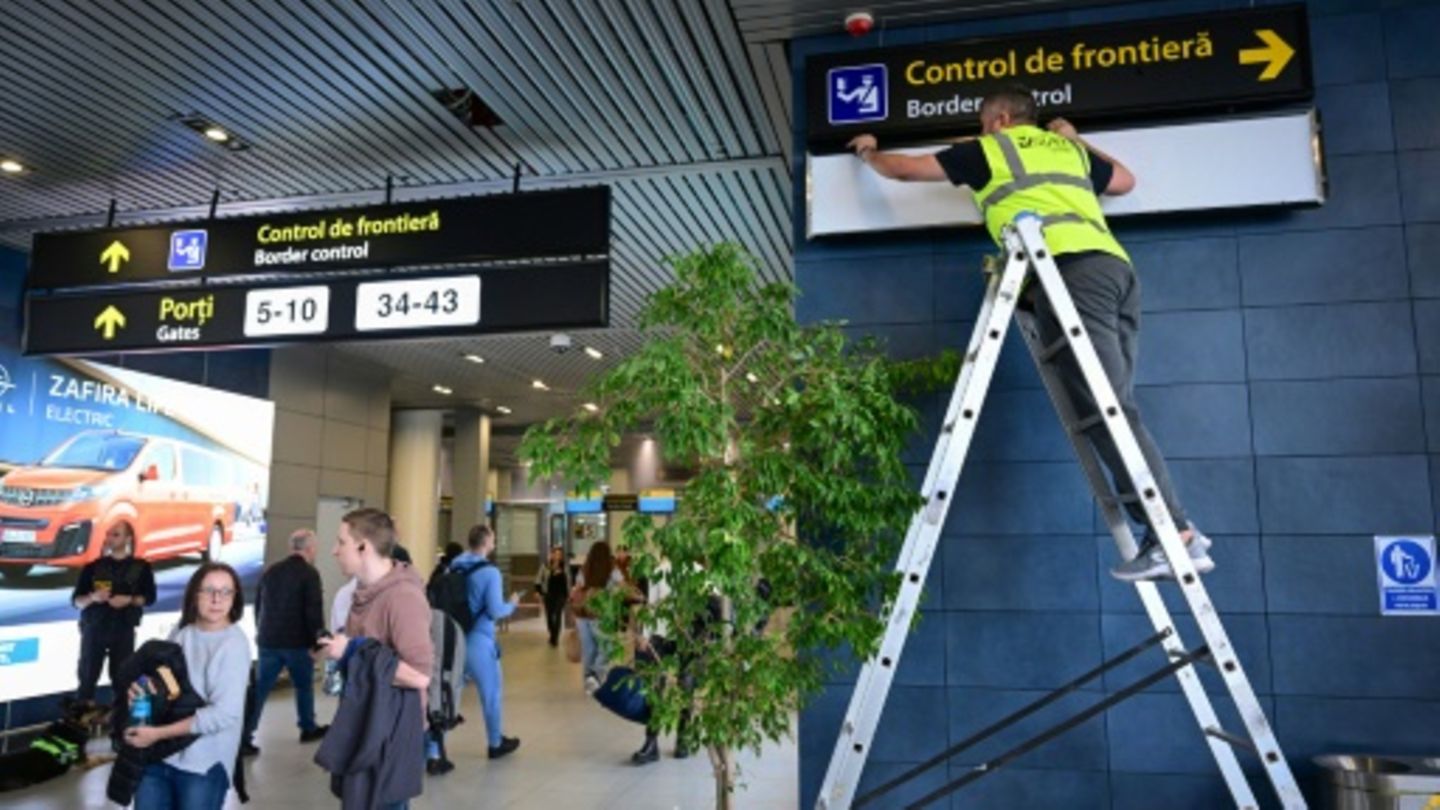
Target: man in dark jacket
(288,620)
(111,594)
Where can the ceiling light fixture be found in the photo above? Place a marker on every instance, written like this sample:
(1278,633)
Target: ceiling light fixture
(591,407)
(540,385)
(211,131)
(503,410)
(11,166)
(440,389)
(475,358)
(595,354)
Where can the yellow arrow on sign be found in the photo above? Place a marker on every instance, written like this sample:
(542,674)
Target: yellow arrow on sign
(114,255)
(1276,51)
(108,321)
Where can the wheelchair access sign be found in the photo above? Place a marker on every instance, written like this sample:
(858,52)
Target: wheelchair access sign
(1406,567)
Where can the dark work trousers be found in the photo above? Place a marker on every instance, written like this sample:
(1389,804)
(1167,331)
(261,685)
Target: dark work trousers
(1106,292)
(97,642)
(554,615)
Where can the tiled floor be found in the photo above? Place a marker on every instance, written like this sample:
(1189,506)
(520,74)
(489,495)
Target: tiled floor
(573,756)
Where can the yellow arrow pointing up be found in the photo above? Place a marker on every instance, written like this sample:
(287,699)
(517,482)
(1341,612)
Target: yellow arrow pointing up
(108,321)
(114,256)
(1276,51)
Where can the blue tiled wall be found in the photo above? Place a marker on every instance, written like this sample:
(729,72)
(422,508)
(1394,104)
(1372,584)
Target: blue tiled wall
(1291,371)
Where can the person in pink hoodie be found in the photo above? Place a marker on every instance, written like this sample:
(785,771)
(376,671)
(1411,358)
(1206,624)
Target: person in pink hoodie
(389,605)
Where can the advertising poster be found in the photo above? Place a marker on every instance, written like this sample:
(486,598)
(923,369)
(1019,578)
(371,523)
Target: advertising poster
(84,446)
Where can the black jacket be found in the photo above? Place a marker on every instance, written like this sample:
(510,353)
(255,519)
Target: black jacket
(287,606)
(130,762)
(375,749)
(127,577)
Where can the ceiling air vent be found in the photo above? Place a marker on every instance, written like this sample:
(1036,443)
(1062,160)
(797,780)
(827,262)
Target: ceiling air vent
(468,107)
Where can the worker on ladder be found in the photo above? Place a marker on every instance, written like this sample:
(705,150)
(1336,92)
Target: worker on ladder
(1015,167)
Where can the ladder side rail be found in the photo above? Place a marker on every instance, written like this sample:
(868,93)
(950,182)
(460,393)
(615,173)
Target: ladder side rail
(1188,677)
(1233,674)
(862,716)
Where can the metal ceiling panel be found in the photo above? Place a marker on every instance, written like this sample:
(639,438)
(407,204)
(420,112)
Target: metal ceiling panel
(782,20)
(669,103)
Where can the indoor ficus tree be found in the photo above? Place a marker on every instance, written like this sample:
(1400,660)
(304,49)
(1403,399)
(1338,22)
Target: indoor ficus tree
(785,426)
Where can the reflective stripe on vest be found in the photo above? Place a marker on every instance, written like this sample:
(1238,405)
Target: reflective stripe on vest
(1058,190)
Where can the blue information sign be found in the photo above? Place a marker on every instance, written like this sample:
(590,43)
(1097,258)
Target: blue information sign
(1406,568)
(858,94)
(187,250)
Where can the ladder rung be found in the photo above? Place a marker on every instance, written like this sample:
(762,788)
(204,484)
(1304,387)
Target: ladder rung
(1081,426)
(1051,733)
(1048,353)
(1013,718)
(1234,739)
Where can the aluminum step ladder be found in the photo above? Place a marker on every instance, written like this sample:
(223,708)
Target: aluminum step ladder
(1027,258)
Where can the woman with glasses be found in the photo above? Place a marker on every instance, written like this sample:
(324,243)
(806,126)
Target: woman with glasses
(217,655)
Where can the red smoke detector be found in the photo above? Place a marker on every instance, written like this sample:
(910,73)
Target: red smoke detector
(859,23)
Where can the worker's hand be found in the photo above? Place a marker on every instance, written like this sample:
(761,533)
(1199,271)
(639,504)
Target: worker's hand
(121,601)
(334,647)
(100,597)
(142,736)
(1064,128)
(863,144)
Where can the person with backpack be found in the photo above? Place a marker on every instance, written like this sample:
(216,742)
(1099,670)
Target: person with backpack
(470,593)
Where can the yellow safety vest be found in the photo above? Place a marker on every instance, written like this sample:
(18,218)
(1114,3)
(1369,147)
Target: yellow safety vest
(1038,171)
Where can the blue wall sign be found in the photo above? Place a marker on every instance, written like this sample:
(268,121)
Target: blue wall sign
(1406,567)
(187,250)
(858,94)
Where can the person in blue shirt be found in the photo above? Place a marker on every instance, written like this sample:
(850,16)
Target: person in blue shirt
(482,652)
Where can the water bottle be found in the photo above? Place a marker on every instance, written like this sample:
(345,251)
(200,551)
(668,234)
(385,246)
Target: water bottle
(140,706)
(334,679)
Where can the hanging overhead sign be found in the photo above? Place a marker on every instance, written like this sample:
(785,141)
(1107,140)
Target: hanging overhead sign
(1200,63)
(468,301)
(556,223)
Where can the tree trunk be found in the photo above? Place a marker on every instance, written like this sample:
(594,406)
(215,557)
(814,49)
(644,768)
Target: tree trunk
(724,777)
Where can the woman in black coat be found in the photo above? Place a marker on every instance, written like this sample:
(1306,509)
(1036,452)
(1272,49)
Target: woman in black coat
(553,584)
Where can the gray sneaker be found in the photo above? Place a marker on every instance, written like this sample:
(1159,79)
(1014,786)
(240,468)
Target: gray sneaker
(1150,562)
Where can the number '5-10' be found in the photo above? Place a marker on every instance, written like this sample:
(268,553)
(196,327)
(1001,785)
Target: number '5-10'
(294,310)
(437,302)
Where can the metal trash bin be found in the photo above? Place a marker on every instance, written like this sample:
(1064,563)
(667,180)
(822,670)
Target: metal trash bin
(1372,782)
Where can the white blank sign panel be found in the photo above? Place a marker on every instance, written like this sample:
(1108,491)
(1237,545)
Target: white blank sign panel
(1241,163)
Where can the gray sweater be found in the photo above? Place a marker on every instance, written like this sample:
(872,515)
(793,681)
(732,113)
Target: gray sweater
(219,664)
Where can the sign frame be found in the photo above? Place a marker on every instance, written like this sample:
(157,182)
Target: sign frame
(1212,86)
(466,230)
(508,291)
